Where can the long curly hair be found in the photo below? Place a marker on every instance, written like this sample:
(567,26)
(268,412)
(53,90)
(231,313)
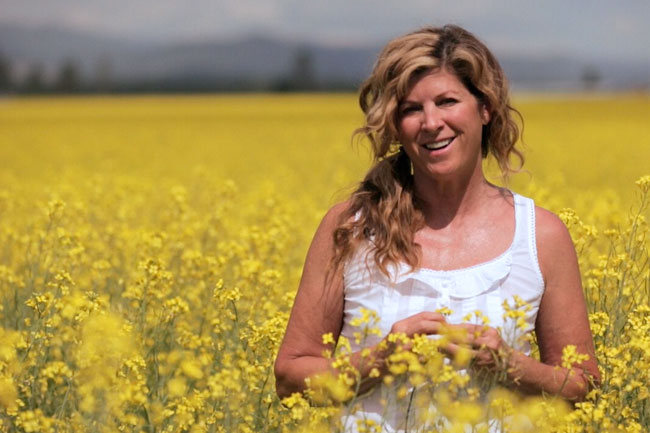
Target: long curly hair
(384,209)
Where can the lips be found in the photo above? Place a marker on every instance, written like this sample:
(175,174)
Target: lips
(440,144)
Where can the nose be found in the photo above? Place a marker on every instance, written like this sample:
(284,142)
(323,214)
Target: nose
(432,120)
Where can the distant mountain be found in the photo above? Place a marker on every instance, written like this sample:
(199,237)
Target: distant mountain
(254,61)
(563,72)
(259,63)
(49,46)
(255,58)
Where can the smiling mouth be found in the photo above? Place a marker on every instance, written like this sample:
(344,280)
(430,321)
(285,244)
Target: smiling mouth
(436,145)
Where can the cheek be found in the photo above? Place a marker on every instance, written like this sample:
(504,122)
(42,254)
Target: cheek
(469,119)
(406,130)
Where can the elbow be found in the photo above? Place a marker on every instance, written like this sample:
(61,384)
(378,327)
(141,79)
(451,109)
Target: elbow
(284,386)
(291,371)
(592,381)
(583,385)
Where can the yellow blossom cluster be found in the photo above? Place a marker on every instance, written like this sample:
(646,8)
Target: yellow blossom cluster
(150,248)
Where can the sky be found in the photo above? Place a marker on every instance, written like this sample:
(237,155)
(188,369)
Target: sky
(597,29)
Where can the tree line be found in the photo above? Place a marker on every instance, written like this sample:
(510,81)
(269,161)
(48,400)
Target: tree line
(69,78)
(35,79)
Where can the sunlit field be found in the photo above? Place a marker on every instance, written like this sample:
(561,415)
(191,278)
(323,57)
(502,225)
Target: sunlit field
(150,249)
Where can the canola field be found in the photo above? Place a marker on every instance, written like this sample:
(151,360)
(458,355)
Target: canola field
(150,249)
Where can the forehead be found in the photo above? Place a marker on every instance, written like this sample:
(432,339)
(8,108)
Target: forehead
(434,82)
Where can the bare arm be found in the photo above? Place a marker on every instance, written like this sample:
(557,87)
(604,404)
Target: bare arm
(562,318)
(318,309)
(561,321)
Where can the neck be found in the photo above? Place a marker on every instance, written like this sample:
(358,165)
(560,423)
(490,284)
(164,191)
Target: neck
(444,202)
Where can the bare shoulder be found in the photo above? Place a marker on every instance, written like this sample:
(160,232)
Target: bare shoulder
(330,222)
(333,215)
(549,227)
(555,248)
(322,245)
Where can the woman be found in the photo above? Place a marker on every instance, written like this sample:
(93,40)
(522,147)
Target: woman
(425,230)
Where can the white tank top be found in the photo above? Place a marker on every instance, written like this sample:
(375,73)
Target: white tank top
(483,287)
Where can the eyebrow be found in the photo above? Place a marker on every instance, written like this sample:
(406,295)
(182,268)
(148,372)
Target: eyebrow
(445,94)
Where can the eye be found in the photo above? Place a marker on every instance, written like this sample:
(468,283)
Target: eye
(409,109)
(447,101)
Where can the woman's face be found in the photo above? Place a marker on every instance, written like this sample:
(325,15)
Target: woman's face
(440,126)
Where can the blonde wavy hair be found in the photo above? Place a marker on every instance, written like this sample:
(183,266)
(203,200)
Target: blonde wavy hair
(384,209)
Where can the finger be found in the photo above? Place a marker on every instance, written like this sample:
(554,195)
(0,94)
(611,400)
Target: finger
(478,335)
(424,327)
(460,354)
(420,325)
(432,327)
(431,315)
(487,358)
(460,339)
(471,328)
(410,324)
(460,333)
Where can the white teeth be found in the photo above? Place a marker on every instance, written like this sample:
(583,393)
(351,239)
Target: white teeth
(438,144)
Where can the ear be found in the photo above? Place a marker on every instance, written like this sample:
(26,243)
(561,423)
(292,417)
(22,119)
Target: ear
(485,113)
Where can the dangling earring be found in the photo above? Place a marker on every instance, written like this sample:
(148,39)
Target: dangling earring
(410,163)
(401,149)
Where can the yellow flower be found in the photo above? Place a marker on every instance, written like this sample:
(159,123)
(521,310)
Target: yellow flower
(177,387)
(644,183)
(8,394)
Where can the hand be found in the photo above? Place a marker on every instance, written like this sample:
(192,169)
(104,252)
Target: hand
(424,323)
(487,348)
